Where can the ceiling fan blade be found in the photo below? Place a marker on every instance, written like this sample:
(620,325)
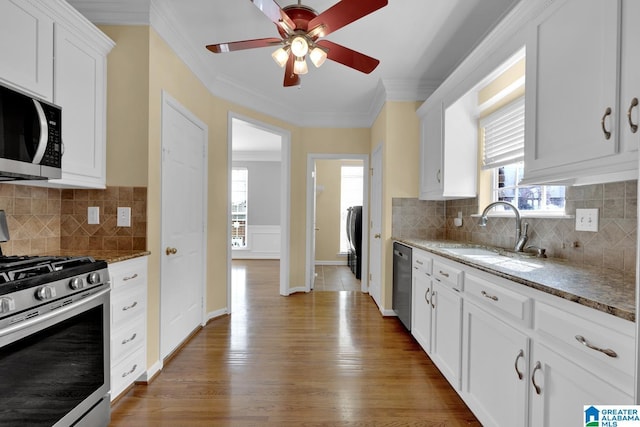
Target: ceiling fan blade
(272,11)
(342,13)
(290,78)
(242,45)
(350,58)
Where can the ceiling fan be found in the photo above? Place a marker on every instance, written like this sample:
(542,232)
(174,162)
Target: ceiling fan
(300,29)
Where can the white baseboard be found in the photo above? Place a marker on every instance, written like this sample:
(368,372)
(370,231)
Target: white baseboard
(296,290)
(151,372)
(388,313)
(331,262)
(217,313)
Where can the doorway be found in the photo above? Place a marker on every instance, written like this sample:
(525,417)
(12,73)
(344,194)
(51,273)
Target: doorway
(259,223)
(327,219)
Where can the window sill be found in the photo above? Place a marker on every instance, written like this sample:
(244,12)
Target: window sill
(541,215)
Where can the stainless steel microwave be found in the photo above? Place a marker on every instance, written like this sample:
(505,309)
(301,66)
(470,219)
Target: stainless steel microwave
(30,137)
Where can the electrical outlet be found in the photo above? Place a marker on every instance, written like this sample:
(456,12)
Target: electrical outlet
(124,217)
(587,220)
(93,215)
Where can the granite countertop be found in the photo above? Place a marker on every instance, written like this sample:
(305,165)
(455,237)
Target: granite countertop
(108,256)
(603,289)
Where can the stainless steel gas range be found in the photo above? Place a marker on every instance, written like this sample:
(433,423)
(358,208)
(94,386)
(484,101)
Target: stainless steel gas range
(54,341)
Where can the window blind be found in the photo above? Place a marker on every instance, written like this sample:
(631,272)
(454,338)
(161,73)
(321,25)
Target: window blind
(503,135)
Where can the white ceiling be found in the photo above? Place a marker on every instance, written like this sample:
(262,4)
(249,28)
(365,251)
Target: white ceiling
(419,42)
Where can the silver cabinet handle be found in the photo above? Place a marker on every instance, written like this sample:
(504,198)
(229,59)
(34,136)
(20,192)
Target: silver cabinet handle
(491,297)
(536,368)
(607,113)
(433,299)
(419,262)
(426,295)
(128,340)
(444,274)
(582,340)
(126,374)
(520,374)
(129,307)
(633,126)
(125,279)
(438,175)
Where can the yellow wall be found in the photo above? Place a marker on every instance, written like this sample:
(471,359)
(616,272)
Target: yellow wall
(140,68)
(397,127)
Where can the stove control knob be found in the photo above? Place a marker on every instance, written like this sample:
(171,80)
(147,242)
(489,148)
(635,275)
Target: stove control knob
(76,283)
(93,278)
(45,292)
(7,304)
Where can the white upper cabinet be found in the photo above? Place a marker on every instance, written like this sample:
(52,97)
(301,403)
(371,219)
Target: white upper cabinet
(431,140)
(630,76)
(80,84)
(26,48)
(573,110)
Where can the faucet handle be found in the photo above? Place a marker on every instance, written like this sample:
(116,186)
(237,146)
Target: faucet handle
(540,252)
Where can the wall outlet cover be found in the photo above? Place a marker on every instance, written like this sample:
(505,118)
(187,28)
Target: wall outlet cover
(93,215)
(124,217)
(587,220)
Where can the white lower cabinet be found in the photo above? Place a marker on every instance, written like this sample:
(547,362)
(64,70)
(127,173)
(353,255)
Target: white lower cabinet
(561,387)
(517,356)
(128,323)
(495,371)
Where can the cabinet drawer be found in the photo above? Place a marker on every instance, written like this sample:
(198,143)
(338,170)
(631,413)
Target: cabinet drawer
(128,273)
(506,301)
(603,344)
(422,262)
(125,341)
(123,374)
(449,275)
(127,305)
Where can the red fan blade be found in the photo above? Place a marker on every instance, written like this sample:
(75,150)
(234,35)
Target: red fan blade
(344,12)
(242,45)
(272,11)
(290,78)
(350,58)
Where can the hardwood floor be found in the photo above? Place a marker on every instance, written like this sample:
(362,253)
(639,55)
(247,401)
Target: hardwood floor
(317,359)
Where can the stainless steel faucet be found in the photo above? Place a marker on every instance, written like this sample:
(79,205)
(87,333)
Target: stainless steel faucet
(521,233)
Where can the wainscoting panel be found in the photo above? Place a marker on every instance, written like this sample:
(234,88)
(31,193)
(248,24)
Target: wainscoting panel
(263,242)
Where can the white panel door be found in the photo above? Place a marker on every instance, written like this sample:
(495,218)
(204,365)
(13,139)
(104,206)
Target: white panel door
(375,228)
(184,177)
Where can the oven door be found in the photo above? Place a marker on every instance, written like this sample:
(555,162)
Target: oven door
(54,368)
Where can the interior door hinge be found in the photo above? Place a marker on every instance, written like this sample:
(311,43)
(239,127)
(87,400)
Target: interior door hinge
(371,170)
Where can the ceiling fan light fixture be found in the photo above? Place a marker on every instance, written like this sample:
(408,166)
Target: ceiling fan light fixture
(299,46)
(281,56)
(318,56)
(300,66)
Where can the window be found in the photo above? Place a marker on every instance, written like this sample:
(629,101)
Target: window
(503,153)
(351,182)
(239,185)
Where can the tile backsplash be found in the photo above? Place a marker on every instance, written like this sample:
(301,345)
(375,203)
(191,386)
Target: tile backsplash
(46,220)
(613,246)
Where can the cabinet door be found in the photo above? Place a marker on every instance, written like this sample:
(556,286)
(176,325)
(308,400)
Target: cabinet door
(564,387)
(431,173)
(494,373)
(80,91)
(26,48)
(421,310)
(630,77)
(572,69)
(446,331)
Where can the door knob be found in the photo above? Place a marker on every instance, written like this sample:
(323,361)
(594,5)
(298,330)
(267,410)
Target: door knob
(171,251)
(376,236)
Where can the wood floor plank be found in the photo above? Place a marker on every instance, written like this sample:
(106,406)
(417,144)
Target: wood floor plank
(317,359)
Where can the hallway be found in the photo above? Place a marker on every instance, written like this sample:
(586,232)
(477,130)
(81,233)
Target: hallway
(318,359)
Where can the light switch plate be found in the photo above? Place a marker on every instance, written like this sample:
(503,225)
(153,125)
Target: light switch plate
(587,220)
(93,215)
(124,217)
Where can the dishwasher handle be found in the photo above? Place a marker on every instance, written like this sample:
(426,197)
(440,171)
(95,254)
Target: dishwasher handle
(399,254)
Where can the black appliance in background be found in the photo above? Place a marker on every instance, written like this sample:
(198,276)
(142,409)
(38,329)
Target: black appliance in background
(354,234)
(402,286)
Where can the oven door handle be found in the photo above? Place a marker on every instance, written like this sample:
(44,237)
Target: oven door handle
(55,313)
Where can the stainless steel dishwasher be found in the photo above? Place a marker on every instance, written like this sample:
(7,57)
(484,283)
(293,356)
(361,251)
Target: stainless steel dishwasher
(402,283)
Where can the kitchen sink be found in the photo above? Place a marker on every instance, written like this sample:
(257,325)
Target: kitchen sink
(462,251)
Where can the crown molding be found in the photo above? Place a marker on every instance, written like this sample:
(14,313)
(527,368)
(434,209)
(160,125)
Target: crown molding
(408,89)
(119,12)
